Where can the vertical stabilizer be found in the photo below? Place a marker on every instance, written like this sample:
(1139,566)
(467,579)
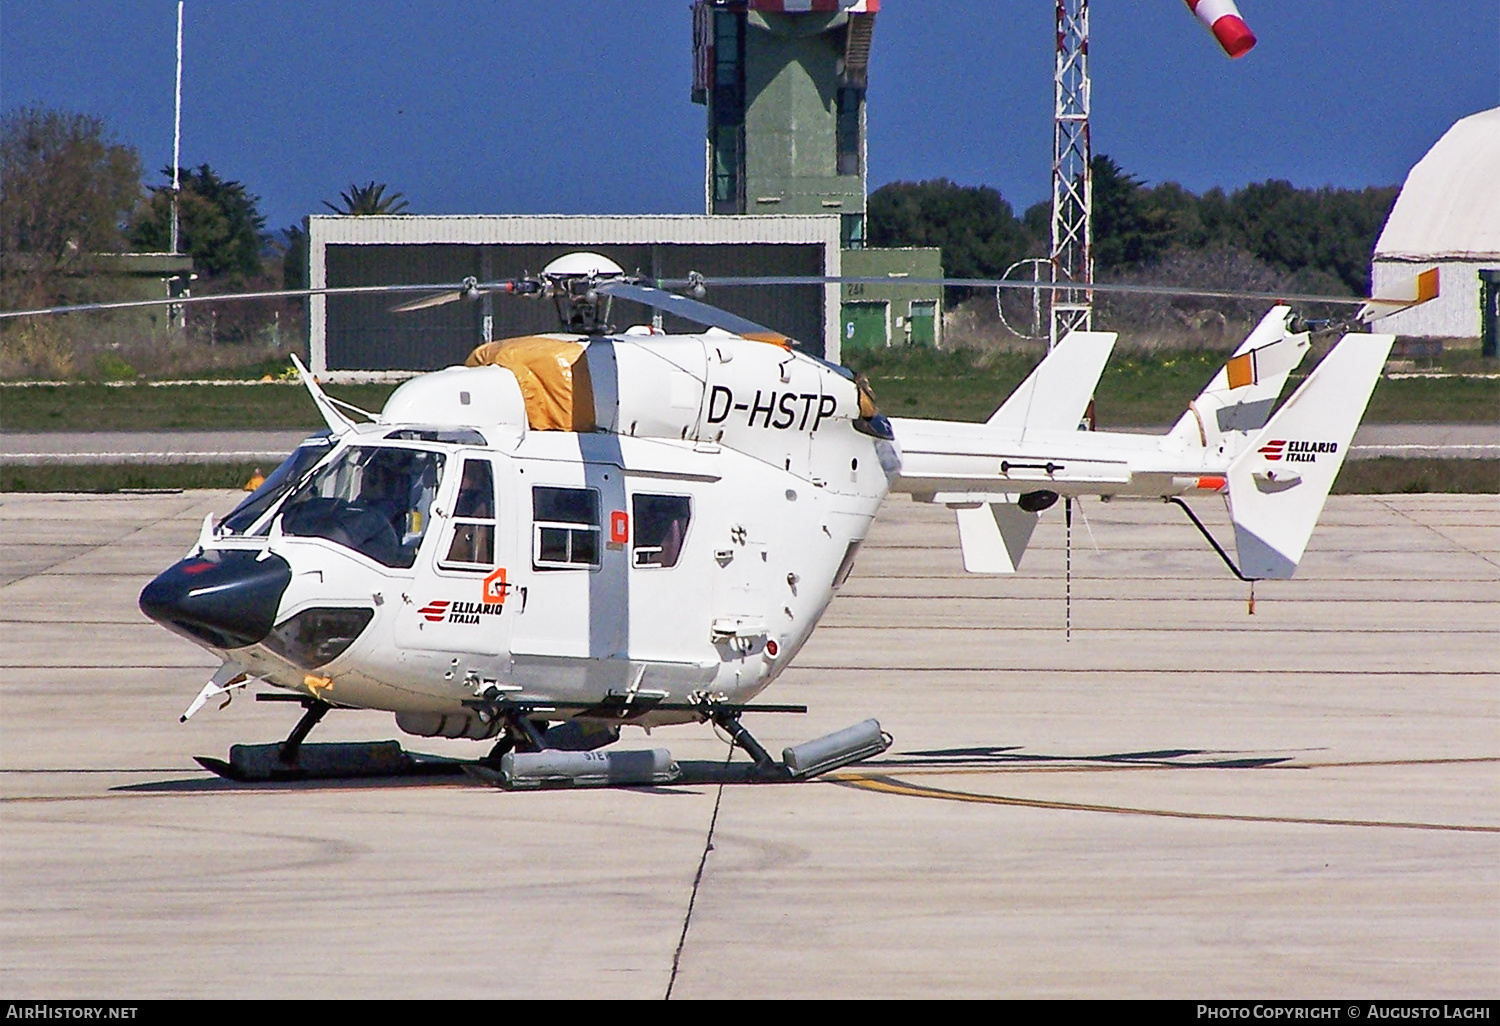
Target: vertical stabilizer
(1278,485)
(993,536)
(1056,393)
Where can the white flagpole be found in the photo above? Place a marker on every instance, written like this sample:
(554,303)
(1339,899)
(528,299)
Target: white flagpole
(177,129)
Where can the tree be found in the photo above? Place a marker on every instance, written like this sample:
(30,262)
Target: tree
(1129,230)
(218,225)
(1214,266)
(1328,230)
(66,191)
(293,245)
(369,198)
(975,226)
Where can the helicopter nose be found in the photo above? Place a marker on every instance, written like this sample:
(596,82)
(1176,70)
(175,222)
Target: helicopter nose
(224,598)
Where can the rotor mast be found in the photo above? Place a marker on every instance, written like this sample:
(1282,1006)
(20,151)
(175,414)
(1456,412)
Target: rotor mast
(1072,253)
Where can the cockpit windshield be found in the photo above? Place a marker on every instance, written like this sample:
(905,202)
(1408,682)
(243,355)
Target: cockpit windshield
(376,500)
(281,480)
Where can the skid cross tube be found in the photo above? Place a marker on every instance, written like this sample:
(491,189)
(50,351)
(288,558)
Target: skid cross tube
(316,710)
(765,766)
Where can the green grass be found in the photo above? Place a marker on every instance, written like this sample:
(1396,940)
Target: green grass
(1389,475)
(1435,401)
(126,477)
(1136,390)
(141,407)
(1151,390)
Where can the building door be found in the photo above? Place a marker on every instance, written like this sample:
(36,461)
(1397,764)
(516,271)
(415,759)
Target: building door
(923,322)
(866,325)
(1489,312)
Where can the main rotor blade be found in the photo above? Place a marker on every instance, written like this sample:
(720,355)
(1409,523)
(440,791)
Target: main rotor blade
(139,304)
(688,309)
(1008,283)
(472,288)
(429,301)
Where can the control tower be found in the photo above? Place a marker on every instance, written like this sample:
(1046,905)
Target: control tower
(784,84)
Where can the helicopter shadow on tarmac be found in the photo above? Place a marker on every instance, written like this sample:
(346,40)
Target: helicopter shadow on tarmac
(428,770)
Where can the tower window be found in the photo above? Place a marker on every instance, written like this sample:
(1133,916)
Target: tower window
(846,129)
(852,231)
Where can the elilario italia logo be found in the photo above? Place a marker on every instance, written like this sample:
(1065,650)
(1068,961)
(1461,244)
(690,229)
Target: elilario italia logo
(1293,450)
(459,612)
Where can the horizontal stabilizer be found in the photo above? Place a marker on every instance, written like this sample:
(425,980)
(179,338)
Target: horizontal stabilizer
(993,536)
(1277,487)
(1056,394)
(1400,295)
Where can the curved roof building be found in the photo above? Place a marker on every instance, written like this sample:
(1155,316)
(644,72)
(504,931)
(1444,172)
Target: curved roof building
(1448,215)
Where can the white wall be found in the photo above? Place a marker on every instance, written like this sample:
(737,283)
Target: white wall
(1453,314)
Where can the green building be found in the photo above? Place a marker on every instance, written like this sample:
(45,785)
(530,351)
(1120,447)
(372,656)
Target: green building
(784,84)
(891,313)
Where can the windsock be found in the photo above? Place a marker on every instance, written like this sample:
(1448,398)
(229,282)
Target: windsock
(1224,21)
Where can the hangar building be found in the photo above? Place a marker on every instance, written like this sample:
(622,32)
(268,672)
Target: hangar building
(1448,215)
(359,336)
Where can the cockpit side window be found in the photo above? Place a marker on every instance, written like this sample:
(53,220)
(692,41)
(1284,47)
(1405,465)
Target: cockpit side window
(471,538)
(661,524)
(374,500)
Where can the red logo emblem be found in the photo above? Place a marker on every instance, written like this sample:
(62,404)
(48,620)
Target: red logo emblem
(433,612)
(494,587)
(1274,449)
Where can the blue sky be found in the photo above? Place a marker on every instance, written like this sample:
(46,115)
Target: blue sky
(583,107)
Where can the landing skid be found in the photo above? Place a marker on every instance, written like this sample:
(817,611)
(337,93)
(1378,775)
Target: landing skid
(528,764)
(550,768)
(258,764)
(292,759)
(694,772)
(328,761)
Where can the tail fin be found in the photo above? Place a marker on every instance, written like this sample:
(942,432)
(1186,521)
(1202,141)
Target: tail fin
(993,535)
(1241,396)
(1277,486)
(1054,397)
(1057,392)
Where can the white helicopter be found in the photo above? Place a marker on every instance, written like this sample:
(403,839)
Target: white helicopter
(587,530)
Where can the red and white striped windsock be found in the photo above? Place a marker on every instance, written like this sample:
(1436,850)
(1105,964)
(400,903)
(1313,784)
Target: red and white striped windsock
(1224,21)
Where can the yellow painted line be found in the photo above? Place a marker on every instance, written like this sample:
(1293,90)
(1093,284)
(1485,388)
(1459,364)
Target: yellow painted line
(1082,765)
(890,785)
